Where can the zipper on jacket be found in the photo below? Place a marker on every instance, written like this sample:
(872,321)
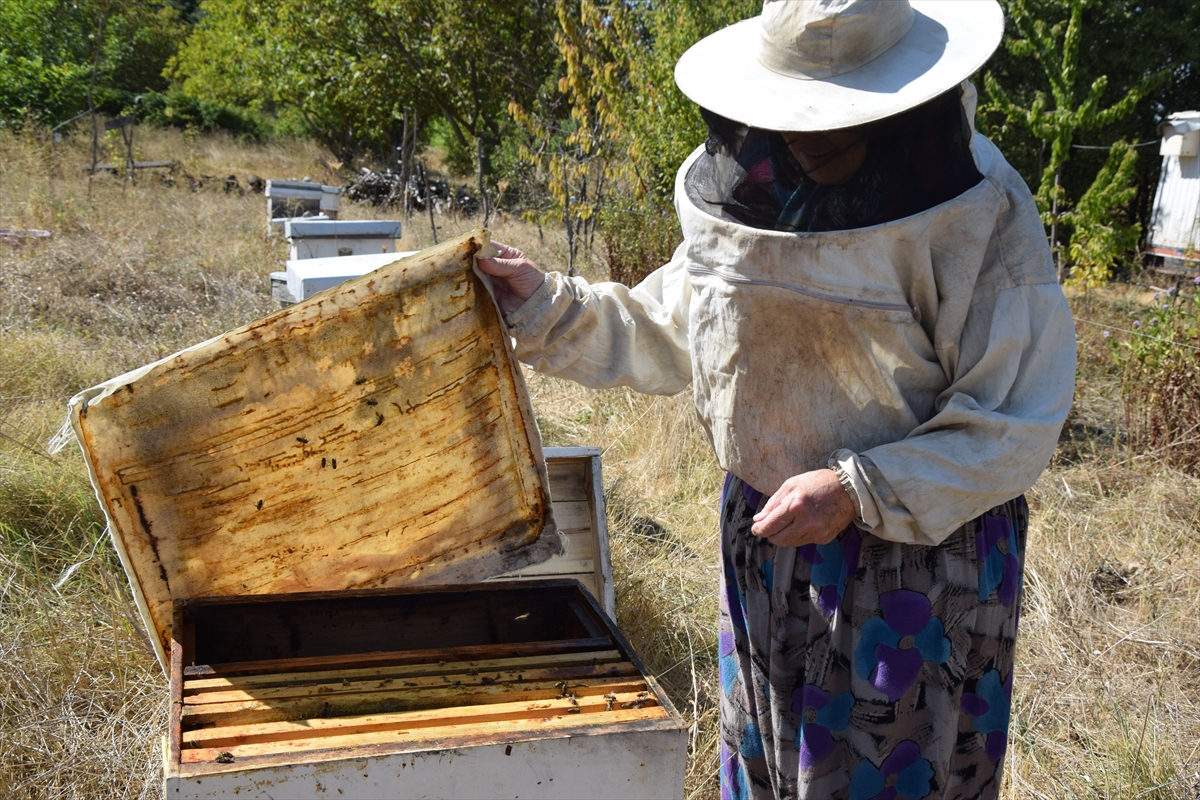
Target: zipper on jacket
(831,298)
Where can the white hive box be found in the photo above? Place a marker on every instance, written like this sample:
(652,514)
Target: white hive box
(275,225)
(577,492)
(297,198)
(308,238)
(305,277)
(300,505)
(1174,234)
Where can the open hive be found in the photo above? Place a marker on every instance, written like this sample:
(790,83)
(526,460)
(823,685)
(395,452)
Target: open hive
(540,658)
(290,500)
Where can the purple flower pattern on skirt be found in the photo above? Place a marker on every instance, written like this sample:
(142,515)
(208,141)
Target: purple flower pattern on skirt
(734,784)
(735,600)
(893,648)
(821,715)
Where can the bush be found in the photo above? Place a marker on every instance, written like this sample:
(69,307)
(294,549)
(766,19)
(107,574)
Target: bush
(179,110)
(1160,380)
(638,239)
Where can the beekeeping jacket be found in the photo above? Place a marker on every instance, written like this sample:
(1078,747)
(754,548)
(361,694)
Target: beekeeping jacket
(930,361)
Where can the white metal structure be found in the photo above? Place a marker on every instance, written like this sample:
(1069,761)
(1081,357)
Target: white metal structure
(1175,220)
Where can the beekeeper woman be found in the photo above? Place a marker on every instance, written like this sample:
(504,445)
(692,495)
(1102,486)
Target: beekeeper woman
(865,306)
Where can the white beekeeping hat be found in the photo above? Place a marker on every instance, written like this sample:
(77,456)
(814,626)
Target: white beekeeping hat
(814,65)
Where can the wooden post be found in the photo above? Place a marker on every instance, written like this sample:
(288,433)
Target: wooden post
(404,163)
(570,231)
(1054,227)
(429,199)
(92,104)
(483,198)
(408,149)
(125,126)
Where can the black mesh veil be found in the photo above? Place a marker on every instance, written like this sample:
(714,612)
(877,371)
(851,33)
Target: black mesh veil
(915,160)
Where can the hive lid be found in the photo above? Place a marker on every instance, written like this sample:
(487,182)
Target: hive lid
(378,434)
(309,228)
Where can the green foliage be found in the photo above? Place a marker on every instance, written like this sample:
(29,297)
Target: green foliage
(40,72)
(1124,40)
(639,238)
(48,49)
(459,160)
(351,68)
(1100,239)
(615,125)
(1057,117)
(1160,379)
(264,55)
(180,110)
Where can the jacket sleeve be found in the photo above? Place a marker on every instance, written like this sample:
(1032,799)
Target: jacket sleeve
(995,428)
(605,334)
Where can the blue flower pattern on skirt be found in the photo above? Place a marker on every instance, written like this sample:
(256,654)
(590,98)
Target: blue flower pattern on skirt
(727,661)
(752,746)
(821,715)
(903,774)
(833,564)
(991,706)
(994,547)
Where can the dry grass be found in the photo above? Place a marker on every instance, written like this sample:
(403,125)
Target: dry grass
(1109,683)
(1107,701)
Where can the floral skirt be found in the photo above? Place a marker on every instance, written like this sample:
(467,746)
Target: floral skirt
(864,669)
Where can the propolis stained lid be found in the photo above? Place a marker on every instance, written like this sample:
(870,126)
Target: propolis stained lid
(378,434)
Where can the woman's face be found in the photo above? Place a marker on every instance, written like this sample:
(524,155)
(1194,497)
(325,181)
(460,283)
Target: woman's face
(829,157)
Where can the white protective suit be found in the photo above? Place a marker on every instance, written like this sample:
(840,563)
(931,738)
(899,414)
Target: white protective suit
(930,361)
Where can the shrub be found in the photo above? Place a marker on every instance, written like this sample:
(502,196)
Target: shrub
(638,239)
(180,110)
(1160,380)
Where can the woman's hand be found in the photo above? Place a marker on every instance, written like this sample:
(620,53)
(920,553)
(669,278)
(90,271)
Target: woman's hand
(514,277)
(812,508)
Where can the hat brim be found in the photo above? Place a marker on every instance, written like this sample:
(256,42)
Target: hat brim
(949,40)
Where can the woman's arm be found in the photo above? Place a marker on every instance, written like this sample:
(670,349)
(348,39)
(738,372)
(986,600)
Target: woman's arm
(996,426)
(600,335)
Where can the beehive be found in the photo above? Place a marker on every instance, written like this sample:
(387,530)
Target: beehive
(279,496)
(331,238)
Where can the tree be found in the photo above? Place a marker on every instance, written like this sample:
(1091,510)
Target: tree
(1100,237)
(309,56)
(351,68)
(616,119)
(1057,118)
(48,49)
(1127,41)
